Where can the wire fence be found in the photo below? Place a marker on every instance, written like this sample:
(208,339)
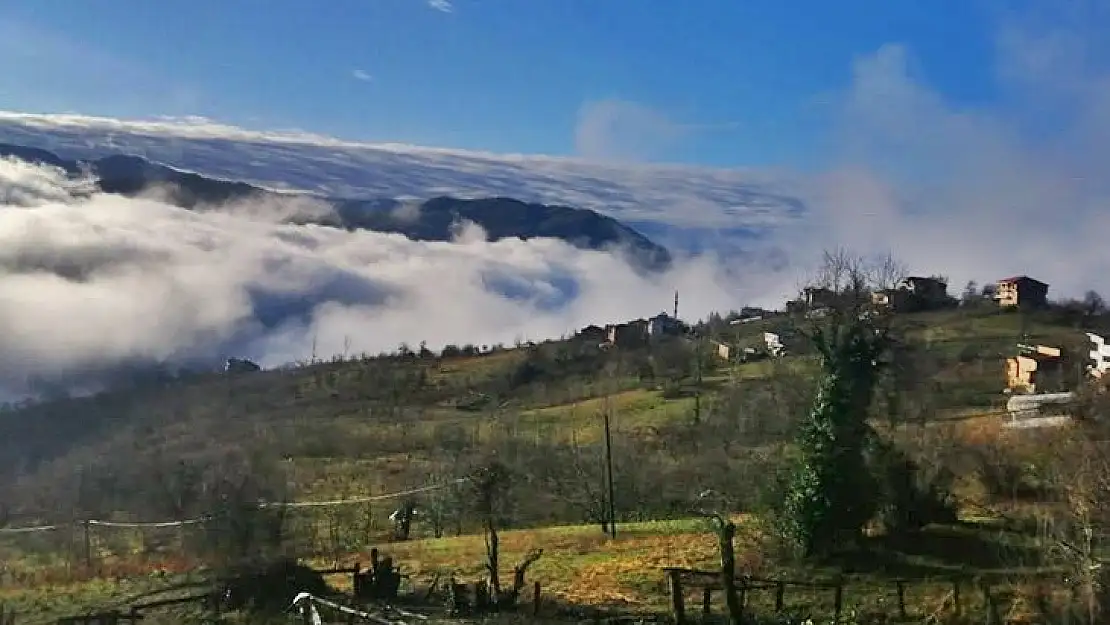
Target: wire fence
(324,529)
(262,505)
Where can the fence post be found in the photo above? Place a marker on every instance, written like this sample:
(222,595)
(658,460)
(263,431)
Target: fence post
(993,618)
(88,545)
(706,600)
(678,601)
(743,588)
(901,599)
(780,596)
(838,598)
(956,596)
(536,597)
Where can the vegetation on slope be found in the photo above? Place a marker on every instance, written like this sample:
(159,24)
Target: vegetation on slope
(681,427)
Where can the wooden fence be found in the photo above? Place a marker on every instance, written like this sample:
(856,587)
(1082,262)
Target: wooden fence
(680,579)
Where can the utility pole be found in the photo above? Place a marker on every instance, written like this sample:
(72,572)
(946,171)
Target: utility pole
(609,474)
(697,377)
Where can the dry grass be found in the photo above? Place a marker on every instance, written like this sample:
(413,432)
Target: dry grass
(580,564)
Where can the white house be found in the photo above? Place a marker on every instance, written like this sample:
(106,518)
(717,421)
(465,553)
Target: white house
(773,343)
(1100,356)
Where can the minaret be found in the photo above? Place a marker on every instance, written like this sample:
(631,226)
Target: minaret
(676,304)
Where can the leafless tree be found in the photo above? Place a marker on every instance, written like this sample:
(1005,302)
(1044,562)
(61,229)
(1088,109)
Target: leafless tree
(885,272)
(490,485)
(1076,530)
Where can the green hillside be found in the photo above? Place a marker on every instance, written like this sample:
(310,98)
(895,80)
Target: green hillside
(683,421)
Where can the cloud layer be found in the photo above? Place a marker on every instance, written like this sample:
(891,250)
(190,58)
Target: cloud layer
(1016,186)
(980,192)
(92,282)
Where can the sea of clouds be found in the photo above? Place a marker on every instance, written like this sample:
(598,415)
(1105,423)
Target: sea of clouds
(980,191)
(89,281)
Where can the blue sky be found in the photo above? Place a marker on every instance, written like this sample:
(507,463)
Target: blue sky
(718,82)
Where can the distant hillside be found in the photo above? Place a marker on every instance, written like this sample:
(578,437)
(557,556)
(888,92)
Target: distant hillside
(430,220)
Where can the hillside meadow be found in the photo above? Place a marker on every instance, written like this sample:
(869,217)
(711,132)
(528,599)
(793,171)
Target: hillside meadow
(683,422)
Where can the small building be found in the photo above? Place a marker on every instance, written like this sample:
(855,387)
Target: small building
(911,294)
(1099,355)
(773,343)
(240,365)
(631,334)
(1026,370)
(818,297)
(1021,291)
(724,351)
(663,325)
(929,288)
(592,333)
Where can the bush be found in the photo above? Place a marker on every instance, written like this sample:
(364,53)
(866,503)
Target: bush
(1004,477)
(912,499)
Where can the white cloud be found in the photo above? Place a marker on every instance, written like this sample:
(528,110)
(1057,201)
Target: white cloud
(979,192)
(971,192)
(613,129)
(88,283)
(689,196)
(362,75)
(445,6)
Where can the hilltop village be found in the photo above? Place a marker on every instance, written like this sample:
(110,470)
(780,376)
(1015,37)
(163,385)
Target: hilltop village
(1034,371)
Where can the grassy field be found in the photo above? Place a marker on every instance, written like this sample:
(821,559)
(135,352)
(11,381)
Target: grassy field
(361,428)
(583,566)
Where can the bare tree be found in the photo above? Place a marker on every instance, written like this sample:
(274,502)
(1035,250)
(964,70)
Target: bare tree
(1076,530)
(885,272)
(490,484)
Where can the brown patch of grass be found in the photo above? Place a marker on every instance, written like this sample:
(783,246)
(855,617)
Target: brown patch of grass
(580,564)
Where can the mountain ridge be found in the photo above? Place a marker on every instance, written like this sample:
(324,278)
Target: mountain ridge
(433,219)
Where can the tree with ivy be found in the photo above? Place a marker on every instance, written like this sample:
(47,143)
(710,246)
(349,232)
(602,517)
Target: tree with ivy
(831,494)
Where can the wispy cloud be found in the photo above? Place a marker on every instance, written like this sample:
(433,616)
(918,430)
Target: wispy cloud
(981,192)
(362,75)
(623,130)
(445,6)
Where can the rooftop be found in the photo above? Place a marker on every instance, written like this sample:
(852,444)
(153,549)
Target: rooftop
(1021,279)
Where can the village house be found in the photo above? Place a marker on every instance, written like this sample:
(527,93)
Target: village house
(240,365)
(663,325)
(1099,355)
(930,289)
(818,297)
(774,344)
(812,298)
(592,333)
(913,294)
(724,351)
(1029,369)
(629,334)
(1021,291)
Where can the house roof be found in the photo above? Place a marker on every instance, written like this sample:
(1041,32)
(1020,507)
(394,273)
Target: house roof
(924,279)
(1021,279)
